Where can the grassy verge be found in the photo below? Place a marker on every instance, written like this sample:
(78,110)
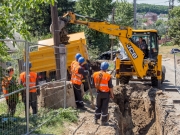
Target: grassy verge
(165,51)
(53,120)
(87,97)
(56,124)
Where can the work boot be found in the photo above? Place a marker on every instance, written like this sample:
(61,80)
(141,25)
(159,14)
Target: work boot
(104,123)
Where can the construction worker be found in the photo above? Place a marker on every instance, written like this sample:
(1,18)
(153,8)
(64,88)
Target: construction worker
(75,62)
(78,73)
(33,81)
(84,81)
(104,87)
(9,85)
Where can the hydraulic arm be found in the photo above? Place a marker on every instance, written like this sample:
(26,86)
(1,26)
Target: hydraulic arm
(123,33)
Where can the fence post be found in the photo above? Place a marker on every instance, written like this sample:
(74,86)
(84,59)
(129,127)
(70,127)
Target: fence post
(27,86)
(62,51)
(175,68)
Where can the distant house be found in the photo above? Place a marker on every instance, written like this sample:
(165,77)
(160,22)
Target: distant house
(163,17)
(12,48)
(140,16)
(149,22)
(151,16)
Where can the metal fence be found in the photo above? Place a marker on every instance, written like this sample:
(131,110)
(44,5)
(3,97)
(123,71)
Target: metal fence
(177,69)
(23,111)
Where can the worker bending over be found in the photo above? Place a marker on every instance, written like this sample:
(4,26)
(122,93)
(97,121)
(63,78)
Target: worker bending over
(104,87)
(33,92)
(8,86)
(78,73)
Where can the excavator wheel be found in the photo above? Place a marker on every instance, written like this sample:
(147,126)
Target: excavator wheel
(124,79)
(155,82)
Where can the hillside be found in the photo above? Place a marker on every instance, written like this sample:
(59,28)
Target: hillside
(143,8)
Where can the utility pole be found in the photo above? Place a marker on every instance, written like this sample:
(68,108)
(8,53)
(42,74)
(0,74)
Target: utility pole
(169,9)
(56,37)
(135,21)
(112,40)
(171,6)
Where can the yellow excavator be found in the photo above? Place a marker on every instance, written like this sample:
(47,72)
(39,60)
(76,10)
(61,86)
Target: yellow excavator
(137,64)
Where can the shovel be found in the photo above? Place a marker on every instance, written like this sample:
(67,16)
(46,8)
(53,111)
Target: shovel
(91,93)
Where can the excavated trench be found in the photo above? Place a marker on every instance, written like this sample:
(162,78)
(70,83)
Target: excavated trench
(134,110)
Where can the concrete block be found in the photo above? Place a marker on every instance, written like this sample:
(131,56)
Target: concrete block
(52,95)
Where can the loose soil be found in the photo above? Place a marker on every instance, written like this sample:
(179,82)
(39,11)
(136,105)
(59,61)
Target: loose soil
(132,112)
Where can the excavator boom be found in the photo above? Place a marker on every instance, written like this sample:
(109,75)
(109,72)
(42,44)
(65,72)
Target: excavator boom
(123,33)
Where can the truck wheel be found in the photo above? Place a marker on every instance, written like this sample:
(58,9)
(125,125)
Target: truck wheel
(124,79)
(155,82)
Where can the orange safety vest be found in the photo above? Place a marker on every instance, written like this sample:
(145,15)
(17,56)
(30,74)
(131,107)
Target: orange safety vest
(76,78)
(103,84)
(32,80)
(74,64)
(5,83)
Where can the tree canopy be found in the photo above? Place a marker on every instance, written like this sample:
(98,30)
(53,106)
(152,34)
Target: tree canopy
(12,19)
(40,20)
(124,13)
(174,25)
(95,9)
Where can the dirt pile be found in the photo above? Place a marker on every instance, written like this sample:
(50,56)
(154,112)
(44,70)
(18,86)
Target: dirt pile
(136,109)
(132,112)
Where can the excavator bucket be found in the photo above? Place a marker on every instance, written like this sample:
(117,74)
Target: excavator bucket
(62,30)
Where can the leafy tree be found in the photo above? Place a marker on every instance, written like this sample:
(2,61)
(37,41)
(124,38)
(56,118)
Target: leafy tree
(12,20)
(40,20)
(13,16)
(99,9)
(159,22)
(124,13)
(144,20)
(174,25)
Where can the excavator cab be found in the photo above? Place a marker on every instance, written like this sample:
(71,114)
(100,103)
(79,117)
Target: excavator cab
(150,40)
(155,73)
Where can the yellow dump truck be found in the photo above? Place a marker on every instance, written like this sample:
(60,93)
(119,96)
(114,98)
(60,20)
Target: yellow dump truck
(43,59)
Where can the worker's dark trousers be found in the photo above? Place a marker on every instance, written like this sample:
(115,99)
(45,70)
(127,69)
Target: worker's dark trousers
(86,87)
(32,101)
(11,106)
(77,94)
(102,102)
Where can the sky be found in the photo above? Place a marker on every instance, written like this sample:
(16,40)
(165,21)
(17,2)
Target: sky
(156,2)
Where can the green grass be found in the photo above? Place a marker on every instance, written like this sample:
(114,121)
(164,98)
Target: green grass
(87,97)
(165,51)
(54,125)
